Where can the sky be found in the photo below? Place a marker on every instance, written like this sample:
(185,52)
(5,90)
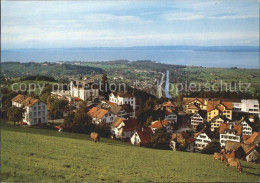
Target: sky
(69,24)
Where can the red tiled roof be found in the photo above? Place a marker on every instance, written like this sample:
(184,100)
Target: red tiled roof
(252,138)
(95,112)
(25,100)
(118,121)
(224,126)
(159,124)
(169,104)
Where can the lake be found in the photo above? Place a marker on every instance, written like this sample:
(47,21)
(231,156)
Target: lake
(169,56)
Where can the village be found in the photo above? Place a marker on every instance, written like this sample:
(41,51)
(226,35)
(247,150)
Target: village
(198,125)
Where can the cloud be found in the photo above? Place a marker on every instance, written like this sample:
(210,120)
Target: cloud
(193,16)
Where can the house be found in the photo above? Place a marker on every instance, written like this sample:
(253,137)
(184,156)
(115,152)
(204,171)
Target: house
(203,138)
(85,90)
(198,118)
(35,110)
(217,107)
(118,111)
(229,132)
(167,105)
(192,108)
(161,123)
(253,139)
(247,126)
(124,110)
(182,141)
(250,106)
(141,137)
(242,151)
(234,150)
(170,115)
(124,128)
(101,115)
(253,156)
(216,121)
(199,103)
(121,98)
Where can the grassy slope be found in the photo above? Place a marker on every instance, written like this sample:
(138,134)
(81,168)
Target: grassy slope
(44,155)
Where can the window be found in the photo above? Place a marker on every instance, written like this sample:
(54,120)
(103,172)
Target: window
(34,108)
(34,113)
(39,113)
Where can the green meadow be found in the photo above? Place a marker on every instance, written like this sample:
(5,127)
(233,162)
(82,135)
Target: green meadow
(41,155)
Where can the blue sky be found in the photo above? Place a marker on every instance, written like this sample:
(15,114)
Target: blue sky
(60,24)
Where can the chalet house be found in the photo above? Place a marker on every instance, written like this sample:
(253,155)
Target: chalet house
(247,126)
(36,111)
(121,98)
(216,121)
(101,115)
(217,108)
(141,137)
(167,105)
(253,156)
(203,138)
(170,115)
(242,151)
(229,132)
(198,118)
(250,106)
(254,139)
(124,111)
(123,128)
(194,104)
(182,142)
(161,123)
(85,90)
(234,150)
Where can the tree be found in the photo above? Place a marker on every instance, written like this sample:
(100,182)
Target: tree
(211,148)
(179,102)
(161,139)
(15,114)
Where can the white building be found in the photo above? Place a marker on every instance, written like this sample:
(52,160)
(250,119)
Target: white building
(84,90)
(250,106)
(141,137)
(229,132)
(247,126)
(36,111)
(203,138)
(101,115)
(170,115)
(120,98)
(122,128)
(198,118)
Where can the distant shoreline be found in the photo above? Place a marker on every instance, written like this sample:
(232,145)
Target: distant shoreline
(75,62)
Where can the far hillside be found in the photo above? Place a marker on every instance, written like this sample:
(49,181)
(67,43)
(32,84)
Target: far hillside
(15,69)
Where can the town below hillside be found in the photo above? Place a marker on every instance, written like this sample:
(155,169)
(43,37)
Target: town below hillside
(132,102)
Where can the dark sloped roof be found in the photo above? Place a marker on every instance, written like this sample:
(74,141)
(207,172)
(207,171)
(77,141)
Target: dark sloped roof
(207,131)
(131,124)
(144,135)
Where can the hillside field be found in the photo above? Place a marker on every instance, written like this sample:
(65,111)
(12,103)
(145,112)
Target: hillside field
(30,155)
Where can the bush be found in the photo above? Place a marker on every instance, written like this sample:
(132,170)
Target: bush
(211,148)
